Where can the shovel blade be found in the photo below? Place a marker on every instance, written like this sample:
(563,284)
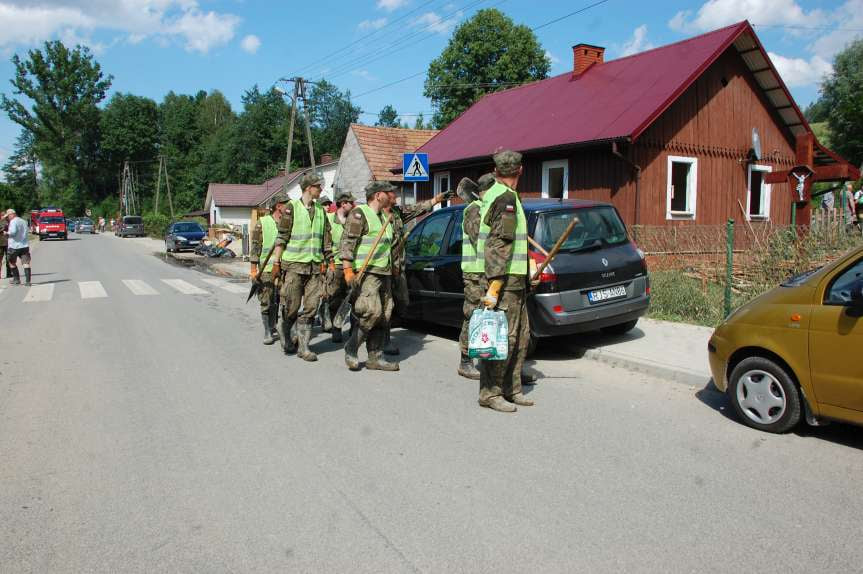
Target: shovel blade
(342,314)
(253,291)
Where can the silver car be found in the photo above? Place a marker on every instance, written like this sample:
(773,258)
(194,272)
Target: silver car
(85,226)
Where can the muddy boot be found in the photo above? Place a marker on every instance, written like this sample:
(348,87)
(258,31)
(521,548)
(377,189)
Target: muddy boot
(352,347)
(295,338)
(27,276)
(337,334)
(268,333)
(16,277)
(285,328)
(376,361)
(467,369)
(273,320)
(304,332)
(326,318)
(520,400)
(389,347)
(498,404)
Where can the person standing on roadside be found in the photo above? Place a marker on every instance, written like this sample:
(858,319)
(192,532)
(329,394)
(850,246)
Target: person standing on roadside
(4,243)
(472,272)
(18,247)
(502,248)
(402,215)
(847,206)
(303,248)
(263,242)
(337,288)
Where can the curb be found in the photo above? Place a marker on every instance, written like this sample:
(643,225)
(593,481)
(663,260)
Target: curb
(646,366)
(216,267)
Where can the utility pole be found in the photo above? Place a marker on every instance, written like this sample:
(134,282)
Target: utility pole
(163,166)
(299,93)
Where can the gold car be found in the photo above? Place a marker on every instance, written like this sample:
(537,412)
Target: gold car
(796,350)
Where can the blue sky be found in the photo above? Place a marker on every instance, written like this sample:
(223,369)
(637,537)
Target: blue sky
(153,46)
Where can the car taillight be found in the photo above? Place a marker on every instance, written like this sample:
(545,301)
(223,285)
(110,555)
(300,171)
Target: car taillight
(547,276)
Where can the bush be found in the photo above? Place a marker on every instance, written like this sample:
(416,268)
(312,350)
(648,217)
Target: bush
(678,297)
(155,224)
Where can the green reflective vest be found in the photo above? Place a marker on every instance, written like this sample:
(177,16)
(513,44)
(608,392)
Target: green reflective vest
(470,263)
(307,235)
(336,230)
(270,231)
(518,262)
(380,259)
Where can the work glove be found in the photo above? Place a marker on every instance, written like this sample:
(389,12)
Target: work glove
(332,267)
(532,269)
(277,269)
(349,275)
(443,196)
(491,296)
(253,274)
(323,268)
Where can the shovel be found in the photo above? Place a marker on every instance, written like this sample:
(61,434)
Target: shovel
(554,250)
(256,284)
(345,308)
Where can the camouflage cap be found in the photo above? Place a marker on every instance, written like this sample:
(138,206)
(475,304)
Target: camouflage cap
(377,186)
(280,197)
(485,182)
(507,162)
(310,179)
(324,200)
(345,196)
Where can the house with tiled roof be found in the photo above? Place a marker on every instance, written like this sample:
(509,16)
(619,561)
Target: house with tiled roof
(370,152)
(698,131)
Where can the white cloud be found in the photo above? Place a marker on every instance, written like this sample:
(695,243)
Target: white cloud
(27,22)
(390,5)
(552,58)
(372,24)
(799,71)
(364,74)
(715,14)
(638,42)
(250,44)
(433,22)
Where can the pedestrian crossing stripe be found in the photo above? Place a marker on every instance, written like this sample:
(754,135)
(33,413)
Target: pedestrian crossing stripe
(184,287)
(138,287)
(91,290)
(39,293)
(42,293)
(225,285)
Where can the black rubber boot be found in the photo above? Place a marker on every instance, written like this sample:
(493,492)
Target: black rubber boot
(337,335)
(467,369)
(352,347)
(273,318)
(304,335)
(27,276)
(268,333)
(288,346)
(376,361)
(16,277)
(389,347)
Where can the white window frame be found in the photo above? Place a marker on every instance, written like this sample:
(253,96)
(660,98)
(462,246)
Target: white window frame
(691,188)
(438,176)
(765,192)
(551,164)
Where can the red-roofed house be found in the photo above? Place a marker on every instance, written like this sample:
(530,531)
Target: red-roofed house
(668,135)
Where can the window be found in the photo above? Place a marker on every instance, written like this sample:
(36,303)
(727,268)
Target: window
(441,184)
(758,192)
(682,182)
(596,226)
(839,292)
(426,240)
(455,237)
(555,177)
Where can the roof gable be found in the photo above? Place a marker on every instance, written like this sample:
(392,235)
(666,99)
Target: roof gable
(232,194)
(383,147)
(618,99)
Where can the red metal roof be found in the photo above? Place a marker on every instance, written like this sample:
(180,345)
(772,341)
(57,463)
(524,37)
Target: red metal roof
(612,100)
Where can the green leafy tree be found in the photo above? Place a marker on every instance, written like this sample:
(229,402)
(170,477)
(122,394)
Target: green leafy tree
(259,136)
(129,127)
(179,138)
(485,53)
(61,90)
(388,118)
(331,114)
(419,124)
(21,172)
(842,96)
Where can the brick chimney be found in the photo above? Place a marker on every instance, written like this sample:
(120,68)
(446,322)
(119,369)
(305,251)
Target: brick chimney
(326,157)
(584,56)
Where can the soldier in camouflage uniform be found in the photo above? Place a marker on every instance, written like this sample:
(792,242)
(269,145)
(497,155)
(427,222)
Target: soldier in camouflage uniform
(262,243)
(401,217)
(374,303)
(303,251)
(502,247)
(337,288)
(472,275)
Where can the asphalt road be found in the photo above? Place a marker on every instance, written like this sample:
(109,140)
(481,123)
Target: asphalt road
(144,428)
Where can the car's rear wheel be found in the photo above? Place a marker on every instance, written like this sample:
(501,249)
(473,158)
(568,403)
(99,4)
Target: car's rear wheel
(764,395)
(620,328)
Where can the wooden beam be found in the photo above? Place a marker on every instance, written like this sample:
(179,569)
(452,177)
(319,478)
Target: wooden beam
(773,89)
(834,172)
(783,107)
(805,148)
(759,70)
(755,49)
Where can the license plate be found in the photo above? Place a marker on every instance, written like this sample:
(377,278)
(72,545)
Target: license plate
(606,294)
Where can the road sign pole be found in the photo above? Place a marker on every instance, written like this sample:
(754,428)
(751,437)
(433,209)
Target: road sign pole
(415,192)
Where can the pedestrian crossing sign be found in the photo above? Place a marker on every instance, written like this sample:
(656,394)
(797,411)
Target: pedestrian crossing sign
(415,166)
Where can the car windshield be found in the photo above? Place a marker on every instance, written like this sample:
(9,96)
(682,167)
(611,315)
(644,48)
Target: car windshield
(86,222)
(51,220)
(132,220)
(800,278)
(595,227)
(187,228)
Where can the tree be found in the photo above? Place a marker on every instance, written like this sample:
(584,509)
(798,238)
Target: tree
(332,115)
(21,171)
(62,88)
(419,123)
(842,95)
(259,137)
(486,53)
(388,118)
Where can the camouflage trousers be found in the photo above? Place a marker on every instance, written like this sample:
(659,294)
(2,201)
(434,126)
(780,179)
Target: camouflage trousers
(337,289)
(374,304)
(504,377)
(300,290)
(268,297)
(401,299)
(474,289)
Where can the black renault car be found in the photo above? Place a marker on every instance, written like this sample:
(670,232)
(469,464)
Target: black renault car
(598,281)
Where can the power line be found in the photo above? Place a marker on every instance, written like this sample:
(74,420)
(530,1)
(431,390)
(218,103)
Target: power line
(565,16)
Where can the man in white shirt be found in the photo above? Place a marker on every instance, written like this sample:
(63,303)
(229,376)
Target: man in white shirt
(19,247)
